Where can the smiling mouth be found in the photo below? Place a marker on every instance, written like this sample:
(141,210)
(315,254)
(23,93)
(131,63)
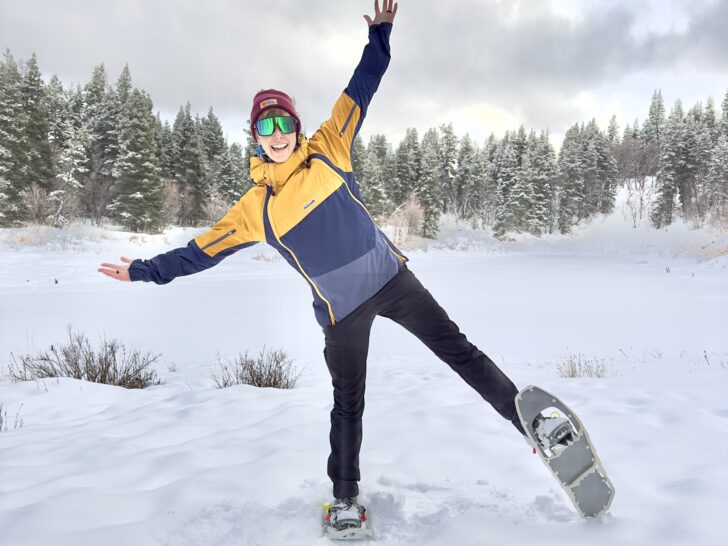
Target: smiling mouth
(279,148)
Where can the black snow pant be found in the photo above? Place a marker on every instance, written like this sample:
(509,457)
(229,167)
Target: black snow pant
(404,300)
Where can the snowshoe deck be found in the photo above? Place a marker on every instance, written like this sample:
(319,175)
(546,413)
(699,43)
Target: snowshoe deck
(569,454)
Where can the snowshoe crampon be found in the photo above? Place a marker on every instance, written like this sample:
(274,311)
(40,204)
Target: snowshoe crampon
(560,439)
(346,520)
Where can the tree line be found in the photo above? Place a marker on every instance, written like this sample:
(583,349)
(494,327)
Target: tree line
(99,152)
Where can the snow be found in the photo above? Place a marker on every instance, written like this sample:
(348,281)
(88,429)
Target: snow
(184,463)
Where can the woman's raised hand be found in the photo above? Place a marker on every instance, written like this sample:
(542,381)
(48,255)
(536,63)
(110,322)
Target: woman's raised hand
(118,272)
(386,15)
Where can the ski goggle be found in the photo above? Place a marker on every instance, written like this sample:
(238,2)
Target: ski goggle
(267,126)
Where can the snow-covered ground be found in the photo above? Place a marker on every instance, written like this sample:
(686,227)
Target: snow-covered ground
(184,463)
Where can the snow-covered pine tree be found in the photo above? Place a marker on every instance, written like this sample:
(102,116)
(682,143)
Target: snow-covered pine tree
(57,113)
(710,121)
(654,126)
(213,143)
(250,150)
(723,127)
(373,182)
(165,148)
(543,176)
(231,174)
(602,189)
(465,177)
(613,131)
(38,163)
(137,203)
(507,175)
(570,188)
(427,188)
(189,168)
(717,182)
(358,156)
(671,170)
(488,188)
(408,159)
(448,168)
(73,166)
(101,119)
(13,144)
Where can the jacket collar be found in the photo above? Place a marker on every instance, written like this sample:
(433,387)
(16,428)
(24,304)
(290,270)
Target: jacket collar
(269,173)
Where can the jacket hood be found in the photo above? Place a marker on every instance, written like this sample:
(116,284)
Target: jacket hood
(269,173)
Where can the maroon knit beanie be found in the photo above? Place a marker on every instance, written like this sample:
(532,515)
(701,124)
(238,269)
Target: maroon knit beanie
(272,98)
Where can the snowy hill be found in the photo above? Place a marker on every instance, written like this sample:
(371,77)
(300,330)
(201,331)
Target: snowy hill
(184,463)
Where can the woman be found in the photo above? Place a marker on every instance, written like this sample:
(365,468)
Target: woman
(306,203)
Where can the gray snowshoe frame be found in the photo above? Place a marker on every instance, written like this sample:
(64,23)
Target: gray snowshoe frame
(577,466)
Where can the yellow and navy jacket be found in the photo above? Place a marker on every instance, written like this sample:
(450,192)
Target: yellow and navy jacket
(309,208)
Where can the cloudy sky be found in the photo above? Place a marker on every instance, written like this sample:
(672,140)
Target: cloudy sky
(485,65)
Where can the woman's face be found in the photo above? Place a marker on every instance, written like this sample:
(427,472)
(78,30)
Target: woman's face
(278,146)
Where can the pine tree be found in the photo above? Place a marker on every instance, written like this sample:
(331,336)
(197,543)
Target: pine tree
(373,182)
(250,150)
(101,118)
(507,175)
(229,176)
(408,159)
(448,168)
(165,148)
(137,201)
(542,175)
(38,164)
(427,188)
(723,127)
(358,156)
(213,142)
(72,167)
(570,188)
(13,143)
(465,177)
(613,131)
(189,168)
(717,181)
(671,168)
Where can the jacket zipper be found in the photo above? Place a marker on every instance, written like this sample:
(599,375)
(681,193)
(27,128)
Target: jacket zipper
(300,267)
(348,119)
(219,239)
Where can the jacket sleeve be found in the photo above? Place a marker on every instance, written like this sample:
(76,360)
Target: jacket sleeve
(229,235)
(336,135)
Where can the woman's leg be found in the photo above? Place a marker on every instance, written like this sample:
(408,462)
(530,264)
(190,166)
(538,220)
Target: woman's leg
(347,345)
(408,303)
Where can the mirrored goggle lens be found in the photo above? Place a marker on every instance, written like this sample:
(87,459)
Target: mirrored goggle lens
(266,126)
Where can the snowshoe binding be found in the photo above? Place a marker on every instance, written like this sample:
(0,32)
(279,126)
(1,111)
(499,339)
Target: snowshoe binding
(346,519)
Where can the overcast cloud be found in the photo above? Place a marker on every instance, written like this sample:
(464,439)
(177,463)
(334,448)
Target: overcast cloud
(487,66)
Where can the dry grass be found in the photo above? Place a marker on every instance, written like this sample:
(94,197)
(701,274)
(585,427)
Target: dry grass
(579,365)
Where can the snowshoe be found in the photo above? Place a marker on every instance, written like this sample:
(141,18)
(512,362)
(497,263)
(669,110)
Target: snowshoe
(346,519)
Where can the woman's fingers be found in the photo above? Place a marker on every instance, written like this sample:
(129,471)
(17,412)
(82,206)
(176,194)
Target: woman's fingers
(126,260)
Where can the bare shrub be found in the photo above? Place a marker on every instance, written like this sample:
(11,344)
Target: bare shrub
(36,202)
(111,363)
(215,207)
(269,369)
(580,366)
(171,203)
(407,221)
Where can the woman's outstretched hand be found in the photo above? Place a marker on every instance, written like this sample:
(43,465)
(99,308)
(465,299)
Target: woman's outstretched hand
(386,15)
(118,272)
